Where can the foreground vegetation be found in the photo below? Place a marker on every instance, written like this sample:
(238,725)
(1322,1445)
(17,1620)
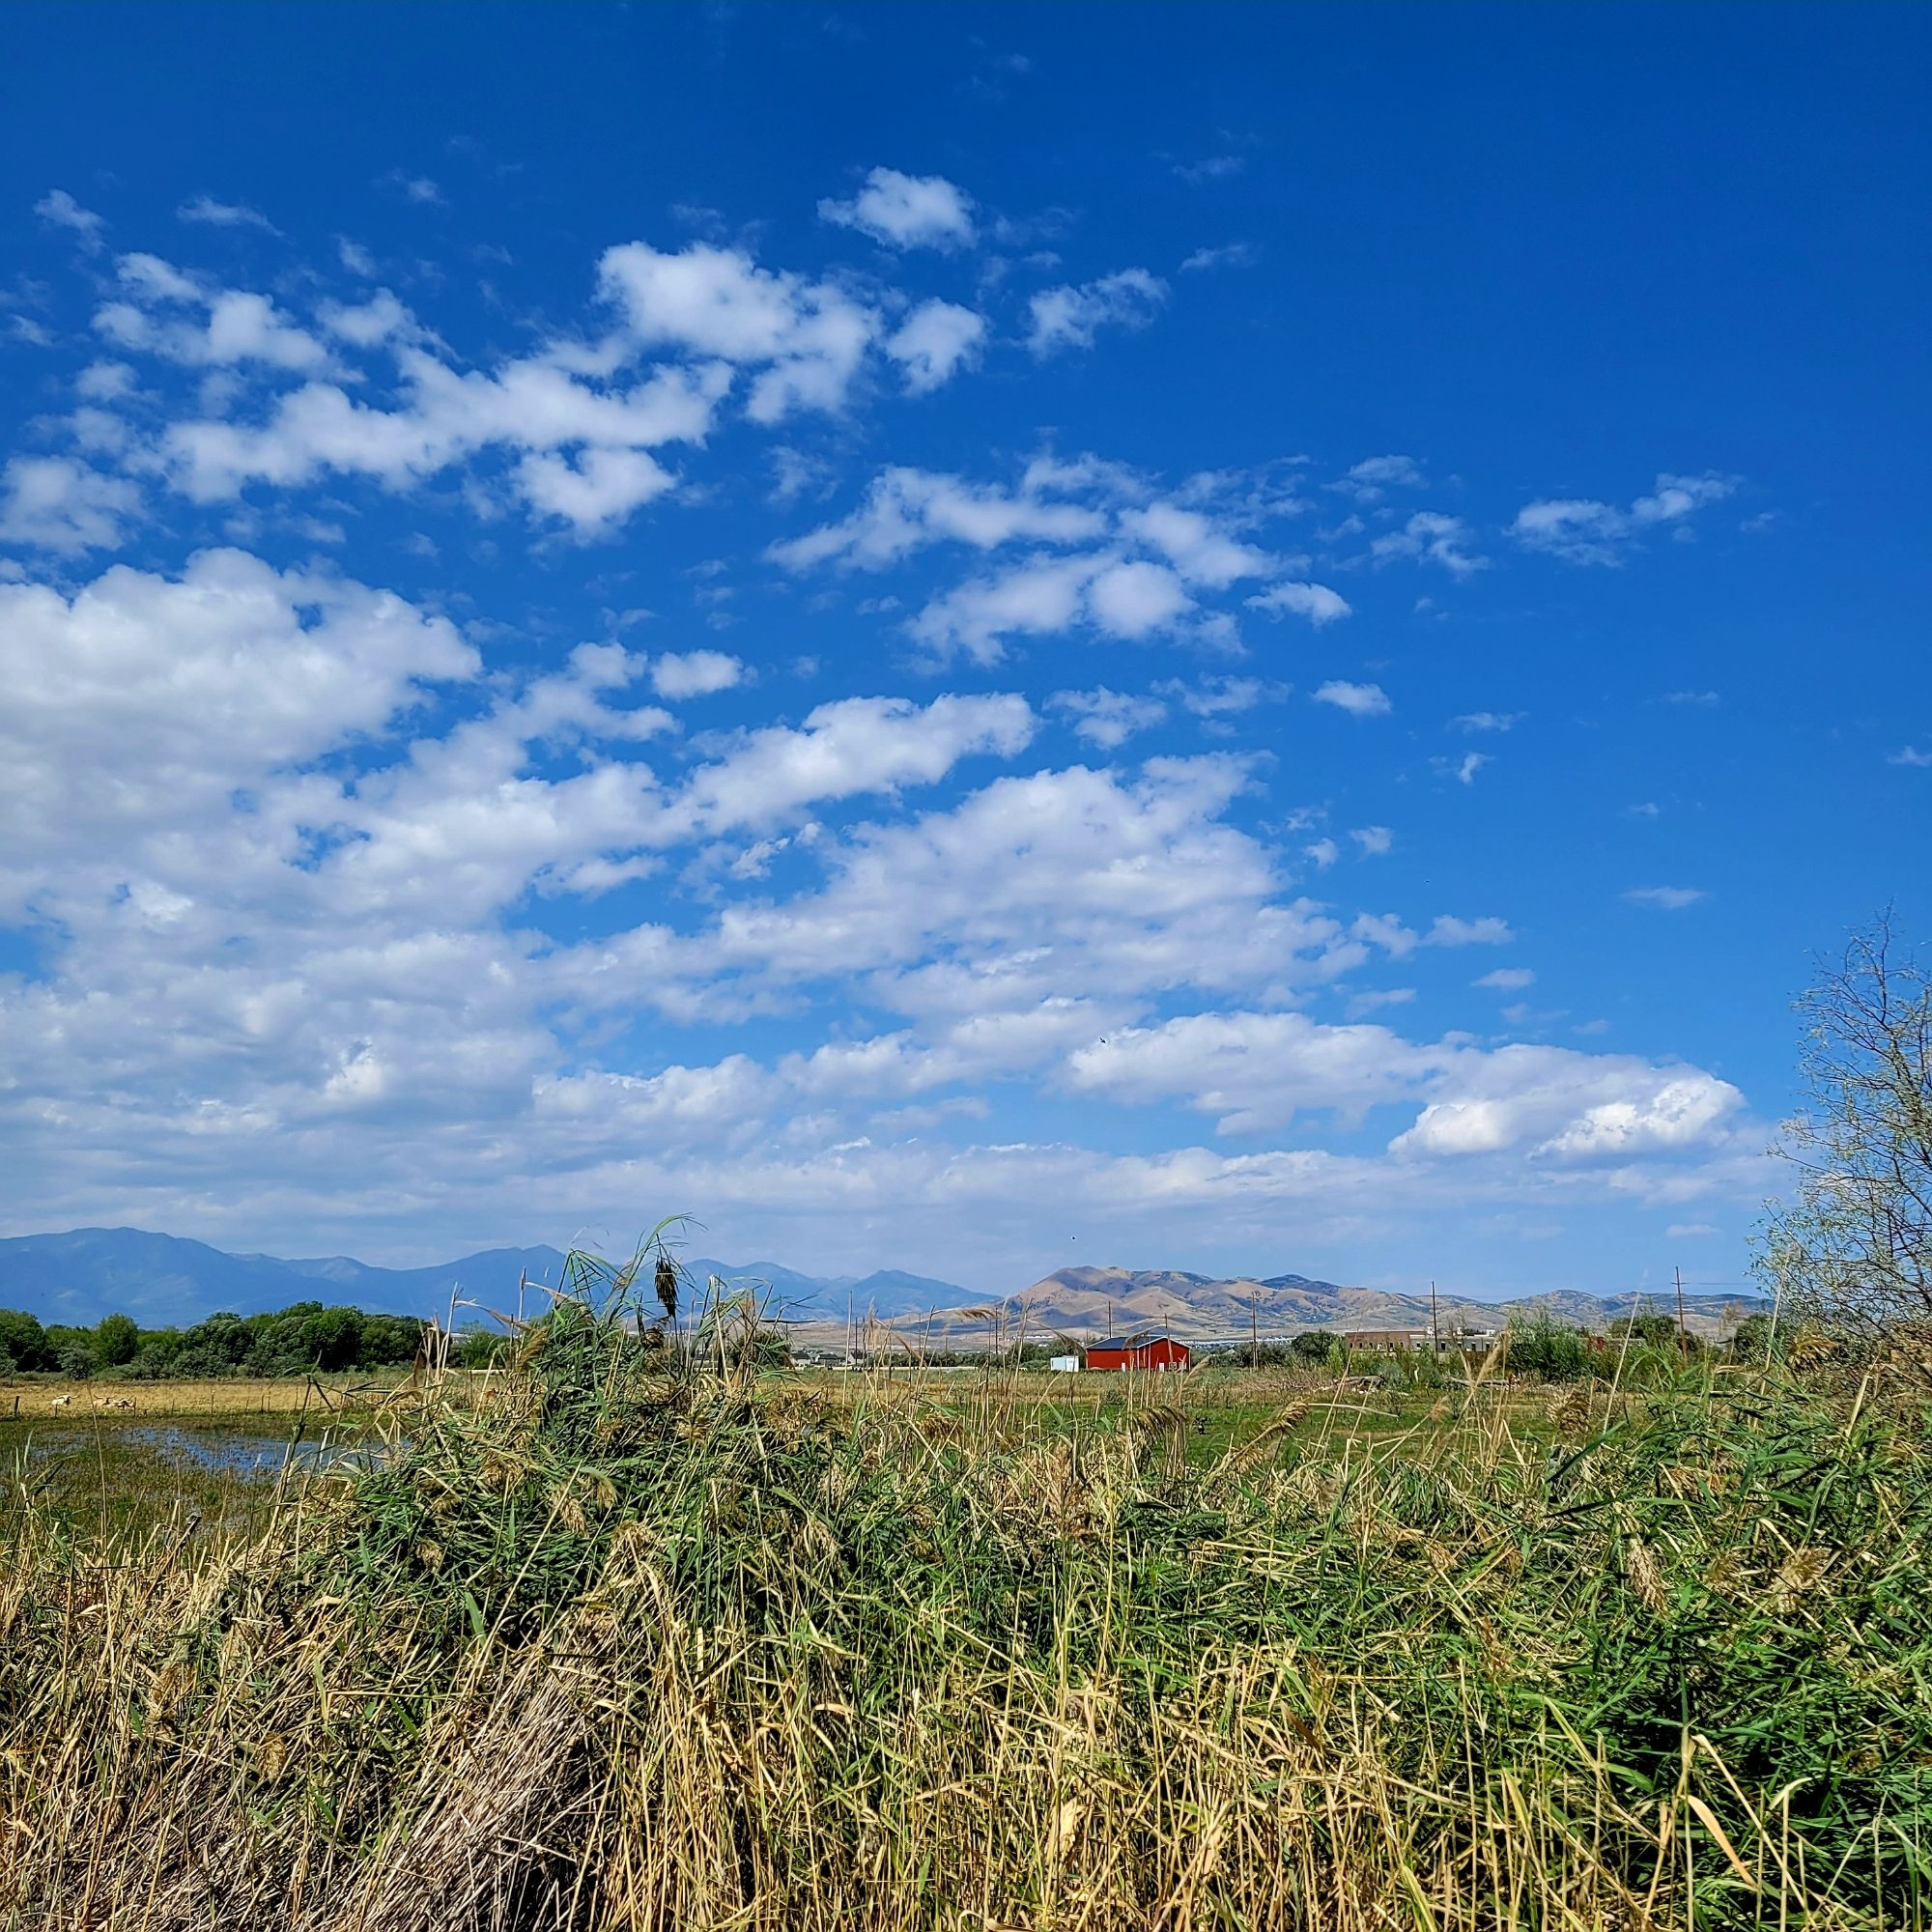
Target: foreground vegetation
(637,1637)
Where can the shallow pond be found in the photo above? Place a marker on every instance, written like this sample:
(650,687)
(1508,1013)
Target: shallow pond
(220,1449)
(138,1475)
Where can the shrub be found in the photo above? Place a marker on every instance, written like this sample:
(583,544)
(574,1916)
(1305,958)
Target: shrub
(1543,1349)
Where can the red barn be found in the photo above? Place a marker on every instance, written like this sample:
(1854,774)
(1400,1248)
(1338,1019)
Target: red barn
(1160,1353)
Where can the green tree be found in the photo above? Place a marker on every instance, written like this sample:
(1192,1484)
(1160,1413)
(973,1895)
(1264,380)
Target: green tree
(116,1341)
(1544,1350)
(23,1342)
(390,1339)
(73,1353)
(220,1345)
(1854,1245)
(156,1357)
(1657,1331)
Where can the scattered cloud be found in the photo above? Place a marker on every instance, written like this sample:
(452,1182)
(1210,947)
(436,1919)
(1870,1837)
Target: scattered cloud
(1487,720)
(806,339)
(934,342)
(1911,755)
(906,509)
(56,503)
(1358,700)
(1507,979)
(1105,549)
(1108,717)
(1218,697)
(580,423)
(1705,699)
(1375,476)
(1070,316)
(208,213)
(1582,530)
(1375,841)
(60,209)
(1314,601)
(1360,1004)
(1230,255)
(1554,1105)
(678,674)
(906,211)
(1665,898)
(1449,930)
(1429,537)
(1039,597)
(1462,770)
(1212,167)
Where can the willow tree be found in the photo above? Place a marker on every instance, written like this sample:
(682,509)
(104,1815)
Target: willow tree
(1853,1243)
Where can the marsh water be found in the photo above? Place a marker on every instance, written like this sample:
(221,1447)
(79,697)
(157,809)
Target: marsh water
(136,1475)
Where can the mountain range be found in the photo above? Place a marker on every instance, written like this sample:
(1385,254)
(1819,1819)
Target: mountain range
(1088,1303)
(163,1280)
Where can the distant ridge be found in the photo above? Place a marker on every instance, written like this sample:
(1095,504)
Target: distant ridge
(169,1281)
(1088,1303)
(165,1280)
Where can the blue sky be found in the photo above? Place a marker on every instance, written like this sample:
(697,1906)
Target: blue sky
(963,638)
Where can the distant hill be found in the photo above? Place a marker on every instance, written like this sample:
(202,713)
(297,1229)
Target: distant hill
(166,1281)
(1086,1303)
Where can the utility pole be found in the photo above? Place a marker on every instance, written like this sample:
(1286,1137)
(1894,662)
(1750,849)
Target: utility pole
(1435,1327)
(1683,1339)
(1254,1331)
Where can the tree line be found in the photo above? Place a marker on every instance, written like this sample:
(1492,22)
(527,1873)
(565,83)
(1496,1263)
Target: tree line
(306,1338)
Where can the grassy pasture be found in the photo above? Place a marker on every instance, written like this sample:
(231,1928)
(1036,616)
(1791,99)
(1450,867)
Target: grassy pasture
(36,1398)
(609,1642)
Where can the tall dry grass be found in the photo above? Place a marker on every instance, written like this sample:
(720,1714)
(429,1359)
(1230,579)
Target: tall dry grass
(640,1639)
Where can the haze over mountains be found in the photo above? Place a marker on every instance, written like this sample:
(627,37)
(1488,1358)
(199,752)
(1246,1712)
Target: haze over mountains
(163,1280)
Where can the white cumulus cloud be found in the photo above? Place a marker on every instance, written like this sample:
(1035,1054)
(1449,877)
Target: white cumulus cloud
(906,211)
(935,341)
(680,675)
(1358,700)
(1070,316)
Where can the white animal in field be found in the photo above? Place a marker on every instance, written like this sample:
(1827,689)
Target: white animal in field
(61,1402)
